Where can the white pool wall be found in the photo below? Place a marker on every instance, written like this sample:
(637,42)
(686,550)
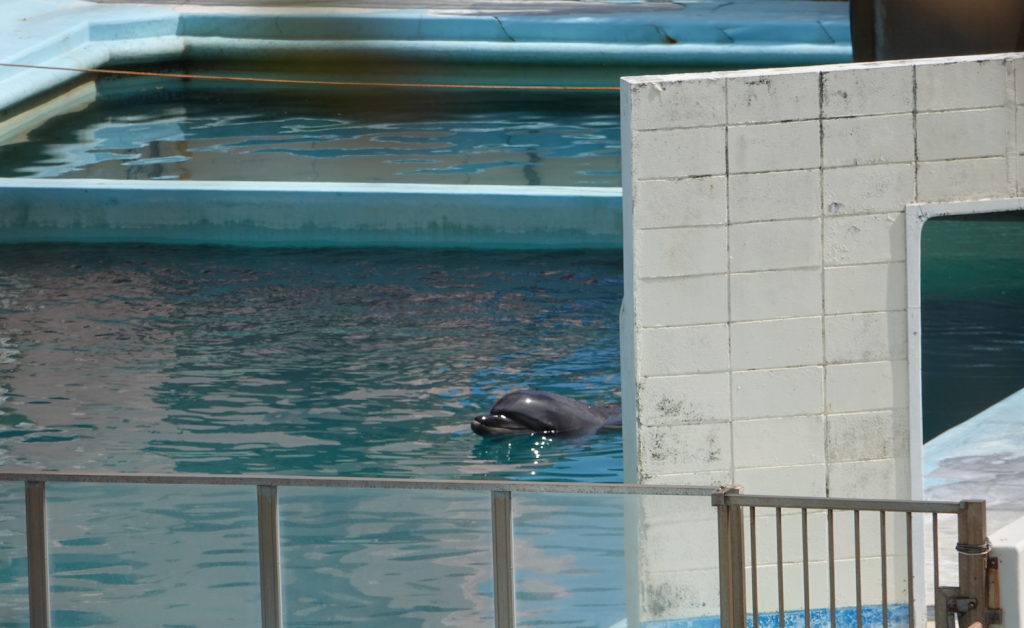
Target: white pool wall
(774,336)
(255,213)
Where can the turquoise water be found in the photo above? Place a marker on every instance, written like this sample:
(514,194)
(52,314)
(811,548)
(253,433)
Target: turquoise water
(972,316)
(208,131)
(321,362)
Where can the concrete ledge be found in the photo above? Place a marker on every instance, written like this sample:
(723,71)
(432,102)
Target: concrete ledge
(309,214)
(1008,548)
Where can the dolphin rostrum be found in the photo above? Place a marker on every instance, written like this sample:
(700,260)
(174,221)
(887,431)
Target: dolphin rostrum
(536,412)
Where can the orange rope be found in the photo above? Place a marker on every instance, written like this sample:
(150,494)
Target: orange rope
(298,82)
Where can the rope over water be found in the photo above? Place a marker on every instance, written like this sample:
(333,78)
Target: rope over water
(300,82)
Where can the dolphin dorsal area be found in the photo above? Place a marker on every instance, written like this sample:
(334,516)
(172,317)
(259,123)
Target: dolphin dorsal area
(538,412)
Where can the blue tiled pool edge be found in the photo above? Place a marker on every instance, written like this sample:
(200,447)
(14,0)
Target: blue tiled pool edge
(309,214)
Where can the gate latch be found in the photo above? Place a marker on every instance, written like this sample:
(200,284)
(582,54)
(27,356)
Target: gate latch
(956,606)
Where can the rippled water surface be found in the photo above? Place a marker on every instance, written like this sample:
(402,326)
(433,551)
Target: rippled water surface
(205,131)
(972,316)
(316,362)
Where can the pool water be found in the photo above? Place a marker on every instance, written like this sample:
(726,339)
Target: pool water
(972,316)
(211,131)
(138,358)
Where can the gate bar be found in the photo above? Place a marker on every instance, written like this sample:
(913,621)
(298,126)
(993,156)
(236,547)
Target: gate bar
(504,566)
(38,561)
(270,556)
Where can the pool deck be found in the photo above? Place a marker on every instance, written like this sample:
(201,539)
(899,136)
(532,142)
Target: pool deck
(982,458)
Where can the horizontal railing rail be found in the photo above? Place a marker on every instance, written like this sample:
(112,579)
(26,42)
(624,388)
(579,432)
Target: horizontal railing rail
(511,486)
(836,503)
(269,534)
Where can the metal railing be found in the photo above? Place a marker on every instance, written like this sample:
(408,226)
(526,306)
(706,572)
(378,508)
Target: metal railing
(269,535)
(975,600)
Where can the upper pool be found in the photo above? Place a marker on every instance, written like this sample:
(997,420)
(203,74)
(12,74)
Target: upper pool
(202,130)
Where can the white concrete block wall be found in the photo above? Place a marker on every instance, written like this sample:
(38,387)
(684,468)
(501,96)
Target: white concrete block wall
(765,320)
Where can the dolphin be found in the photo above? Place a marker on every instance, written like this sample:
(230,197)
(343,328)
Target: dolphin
(536,412)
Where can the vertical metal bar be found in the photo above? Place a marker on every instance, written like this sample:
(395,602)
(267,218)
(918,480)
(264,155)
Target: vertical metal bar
(856,567)
(807,573)
(38,561)
(910,568)
(504,567)
(738,568)
(885,575)
(731,562)
(270,556)
(832,568)
(972,545)
(778,551)
(753,565)
(935,556)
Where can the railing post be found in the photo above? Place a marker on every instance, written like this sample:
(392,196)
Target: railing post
(731,560)
(38,560)
(972,546)
(270,556)
(504,569)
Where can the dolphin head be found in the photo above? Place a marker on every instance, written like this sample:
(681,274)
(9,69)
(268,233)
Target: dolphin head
(535,412)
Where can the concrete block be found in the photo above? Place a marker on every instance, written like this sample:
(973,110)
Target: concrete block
(872,337)
(773,98)
(1008,549)
(776,343)
(671,547)
(964,180)
(772,147)
(718,477)
(792,541)
(677,104)
(865,239)
(867,141)
(1018,73)
(797,480)
(874,479)
(774,245)
(857,91)
(680,203)
(683,399)
(671,595)
(960,84)
(867,386)
(777,393)
(778,442)
(679,153)
(868,189)
(866,288)
(963,134)
(681,251)
(774,196)
(685,448)
(775,294)
(683,350)
(678,301)
(868,435)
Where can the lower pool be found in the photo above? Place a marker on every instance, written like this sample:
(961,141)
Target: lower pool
(345,362)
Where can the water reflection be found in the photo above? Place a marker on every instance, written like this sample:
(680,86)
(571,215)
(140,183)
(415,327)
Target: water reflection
(208,132)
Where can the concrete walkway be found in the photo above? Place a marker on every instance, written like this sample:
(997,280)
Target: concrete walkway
(982,458)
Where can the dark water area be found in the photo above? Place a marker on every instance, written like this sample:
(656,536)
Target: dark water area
(329,361)
(212,131)
(972,316)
